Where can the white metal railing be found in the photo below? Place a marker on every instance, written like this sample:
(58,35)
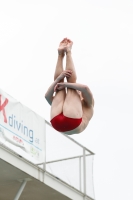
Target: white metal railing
(30,136)
(69,161)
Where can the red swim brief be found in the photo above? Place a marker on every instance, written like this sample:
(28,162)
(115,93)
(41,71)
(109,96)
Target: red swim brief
(63,124)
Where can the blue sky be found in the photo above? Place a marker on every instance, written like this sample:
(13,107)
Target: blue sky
(102,32)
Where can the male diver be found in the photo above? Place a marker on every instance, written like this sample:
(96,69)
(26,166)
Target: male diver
(72,105)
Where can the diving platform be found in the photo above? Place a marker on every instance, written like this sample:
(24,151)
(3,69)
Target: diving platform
(38,162)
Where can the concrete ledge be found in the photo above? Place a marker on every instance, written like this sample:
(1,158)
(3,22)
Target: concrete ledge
(41,175)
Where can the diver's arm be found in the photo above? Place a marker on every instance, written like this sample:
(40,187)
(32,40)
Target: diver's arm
(86,93)
(50,91)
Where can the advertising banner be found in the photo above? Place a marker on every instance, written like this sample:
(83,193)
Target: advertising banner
(21,129)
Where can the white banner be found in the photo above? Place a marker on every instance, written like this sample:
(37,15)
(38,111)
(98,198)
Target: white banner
(21,129)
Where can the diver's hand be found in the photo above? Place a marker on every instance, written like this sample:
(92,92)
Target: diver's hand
(59,86)
(66,73)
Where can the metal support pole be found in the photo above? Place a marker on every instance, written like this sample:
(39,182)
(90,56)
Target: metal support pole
(44,164)
(84,197)
(20,190)
(80,174)
(84,170)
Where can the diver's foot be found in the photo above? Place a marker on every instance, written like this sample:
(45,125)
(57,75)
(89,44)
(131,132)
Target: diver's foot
(68,46)
(62,46)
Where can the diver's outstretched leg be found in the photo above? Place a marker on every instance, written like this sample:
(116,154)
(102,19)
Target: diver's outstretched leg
(59,65)
(58,100)
(72,105)
(69,62)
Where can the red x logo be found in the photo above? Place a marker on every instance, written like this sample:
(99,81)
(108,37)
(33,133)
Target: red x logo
(2,108)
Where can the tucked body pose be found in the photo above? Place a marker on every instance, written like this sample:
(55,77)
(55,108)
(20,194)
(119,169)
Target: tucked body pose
(72,105)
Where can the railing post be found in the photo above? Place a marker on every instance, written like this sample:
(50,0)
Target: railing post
(80,174)
(44,164)
(84,170)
